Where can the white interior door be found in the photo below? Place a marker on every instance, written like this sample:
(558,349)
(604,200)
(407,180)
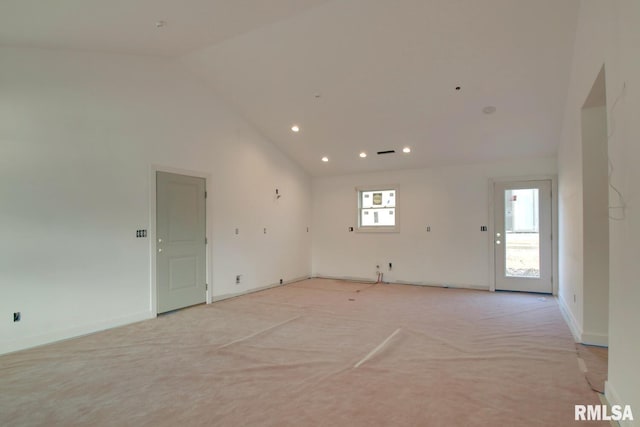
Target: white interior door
(522,236)
(181,244)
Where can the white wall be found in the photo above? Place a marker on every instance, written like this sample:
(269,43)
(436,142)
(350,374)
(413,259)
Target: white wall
(583,193)
(453,201)
(79,134)
(583,226)
(624,149)
(608,33)
(595,225)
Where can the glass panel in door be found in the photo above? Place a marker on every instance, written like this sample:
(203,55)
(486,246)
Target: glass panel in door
(522,233)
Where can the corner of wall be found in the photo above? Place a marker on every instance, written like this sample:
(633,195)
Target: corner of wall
(601,340)
(573,324)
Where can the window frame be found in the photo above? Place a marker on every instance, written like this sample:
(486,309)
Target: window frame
(377,228)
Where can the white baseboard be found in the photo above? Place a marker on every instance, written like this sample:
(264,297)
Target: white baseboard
(441,285)
(297,279)
(571,321)
(579,335)
(64,334)
(601,340)
(403,282)
(216,298)
(345,278)
(614,399)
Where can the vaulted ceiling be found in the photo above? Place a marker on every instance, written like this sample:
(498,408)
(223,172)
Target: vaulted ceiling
(354,75)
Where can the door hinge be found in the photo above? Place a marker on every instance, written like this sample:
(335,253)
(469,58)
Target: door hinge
(205,194)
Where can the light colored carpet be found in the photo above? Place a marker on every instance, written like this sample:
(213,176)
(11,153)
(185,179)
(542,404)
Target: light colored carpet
(313,353)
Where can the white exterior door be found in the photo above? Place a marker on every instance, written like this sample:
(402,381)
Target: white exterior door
(522,236)
(181,244)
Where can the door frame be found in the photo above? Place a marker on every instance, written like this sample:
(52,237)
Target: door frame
(554,225)
(153,289)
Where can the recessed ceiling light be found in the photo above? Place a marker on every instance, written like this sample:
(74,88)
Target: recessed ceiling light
(295,128)
(406,150)
(325,159)
(489,109)
(160,24)
(363,154)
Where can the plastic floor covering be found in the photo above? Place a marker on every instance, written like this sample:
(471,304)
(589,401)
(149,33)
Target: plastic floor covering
(313,353)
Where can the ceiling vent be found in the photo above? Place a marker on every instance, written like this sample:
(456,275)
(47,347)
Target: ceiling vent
(387,152)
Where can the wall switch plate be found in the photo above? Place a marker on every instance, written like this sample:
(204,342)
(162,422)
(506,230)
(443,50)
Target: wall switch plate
(428,228)
(483,228)
(17,316)
(141,233)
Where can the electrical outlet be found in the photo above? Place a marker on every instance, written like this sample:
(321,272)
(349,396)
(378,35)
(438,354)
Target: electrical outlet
(237,231)
(238,279)
(428,228)
(281,281)
(390,266)
(17,316)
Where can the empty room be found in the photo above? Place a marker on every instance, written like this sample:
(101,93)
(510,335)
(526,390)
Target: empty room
(319,212)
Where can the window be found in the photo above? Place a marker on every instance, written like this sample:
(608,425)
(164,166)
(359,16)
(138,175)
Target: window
(378,208)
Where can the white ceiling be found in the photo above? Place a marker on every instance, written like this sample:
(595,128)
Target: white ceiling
(129,26)
(385,70)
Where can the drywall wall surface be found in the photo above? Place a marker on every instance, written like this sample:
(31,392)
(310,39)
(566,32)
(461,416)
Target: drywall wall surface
(570,228)
(453,201)
(595,225)
(609,34)
(572,192)
(624,251)
(80,134)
